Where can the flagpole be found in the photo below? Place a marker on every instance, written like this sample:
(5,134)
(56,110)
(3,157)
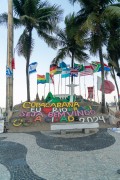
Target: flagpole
(74,83)
(37,88)
(79,85)
(98,96)
(9,81)
(54,88)
(69,84)
(93,88)
(49,86)
(65,86)
(85,87)
(44,89)
(49,81)
(59,85)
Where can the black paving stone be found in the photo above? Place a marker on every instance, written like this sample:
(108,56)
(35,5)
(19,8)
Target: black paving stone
(2,138)
(13,157)
(99,140)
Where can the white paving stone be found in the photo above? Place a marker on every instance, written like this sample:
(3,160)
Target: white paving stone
(4,173)
(99,164)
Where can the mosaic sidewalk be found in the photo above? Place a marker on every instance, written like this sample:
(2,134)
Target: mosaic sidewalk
(40,156)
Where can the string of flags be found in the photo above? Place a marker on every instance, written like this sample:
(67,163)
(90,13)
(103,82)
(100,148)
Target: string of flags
(65,71)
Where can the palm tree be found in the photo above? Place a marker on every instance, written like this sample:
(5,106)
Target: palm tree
(92,17)
(113,45)
(38,15)
(113,48)
(114,77)
(112,65)
(69,45)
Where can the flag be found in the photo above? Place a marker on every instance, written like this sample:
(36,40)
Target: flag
(52,78)
(97,66)
(13,63)
(41,79)
(13,60)
(32,67)
(53,68)
(108,86)
(74,72)
(106,67)
(90,92)
(48,78)
(79,67)
(8,72)
(88,70)
(63,65)
(65,72)
(58,70)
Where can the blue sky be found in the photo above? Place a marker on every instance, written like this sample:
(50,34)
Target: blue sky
(43,55)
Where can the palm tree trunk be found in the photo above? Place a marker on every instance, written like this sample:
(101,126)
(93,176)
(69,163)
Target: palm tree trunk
(27,64)
(102,76)
(113,71)
(28,82)
(72,87)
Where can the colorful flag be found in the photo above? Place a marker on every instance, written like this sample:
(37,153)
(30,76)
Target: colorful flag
(88,70)
(8,72)
(90,92)
(79,67)
(41,79)
(108,86)
(53,68)
(13,63)
(97,66)
(63,65)
(106,67)
(74,72)
(32,67)
(58,70)
(48,78)
(13,60)
(65,72)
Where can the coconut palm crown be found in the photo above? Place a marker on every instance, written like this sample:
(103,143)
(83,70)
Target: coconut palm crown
(33,15)
(69,45)
(92,18)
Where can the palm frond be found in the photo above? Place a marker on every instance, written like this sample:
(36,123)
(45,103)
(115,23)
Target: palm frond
(112,12)
(4,19)
(50,40)
(25,45)
(60,55)
(18,7)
